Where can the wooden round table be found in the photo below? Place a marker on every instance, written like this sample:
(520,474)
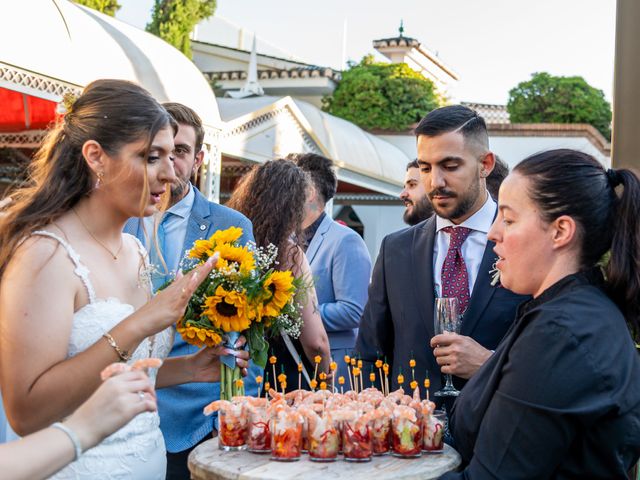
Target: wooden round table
(208,462)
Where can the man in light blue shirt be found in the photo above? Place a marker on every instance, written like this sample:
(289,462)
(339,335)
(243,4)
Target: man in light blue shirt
(190,217)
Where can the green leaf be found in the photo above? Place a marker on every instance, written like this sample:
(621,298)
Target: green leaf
(258,346)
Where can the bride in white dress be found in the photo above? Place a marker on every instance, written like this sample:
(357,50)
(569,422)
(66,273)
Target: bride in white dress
(74,292)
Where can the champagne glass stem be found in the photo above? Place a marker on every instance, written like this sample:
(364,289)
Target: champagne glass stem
(449,382)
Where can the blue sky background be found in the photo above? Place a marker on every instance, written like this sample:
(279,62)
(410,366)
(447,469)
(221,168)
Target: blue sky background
(491,44)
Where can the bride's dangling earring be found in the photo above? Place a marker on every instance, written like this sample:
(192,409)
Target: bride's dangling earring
(99,181)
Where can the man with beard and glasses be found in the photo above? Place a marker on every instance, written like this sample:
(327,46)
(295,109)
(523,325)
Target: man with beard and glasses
(447,255)
(190,217)
(414,197)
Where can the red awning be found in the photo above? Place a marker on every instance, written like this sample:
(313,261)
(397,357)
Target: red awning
(19,111)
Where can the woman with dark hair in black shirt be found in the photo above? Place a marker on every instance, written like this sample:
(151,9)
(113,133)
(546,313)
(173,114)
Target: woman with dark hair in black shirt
(560,397)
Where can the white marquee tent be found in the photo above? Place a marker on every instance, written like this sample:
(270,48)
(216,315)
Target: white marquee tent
(50,47)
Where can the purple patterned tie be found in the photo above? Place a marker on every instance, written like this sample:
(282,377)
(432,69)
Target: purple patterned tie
(454,276)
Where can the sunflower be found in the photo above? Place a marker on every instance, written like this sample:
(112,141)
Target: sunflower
(278,289)
(202,249)
(229,235)
(228,310)
(198,336)
(240,255)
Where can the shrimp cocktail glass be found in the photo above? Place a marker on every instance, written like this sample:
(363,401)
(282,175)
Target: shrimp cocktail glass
(356,439)
(258,436)
(233,428)
(286,435)
(433,426)
(406,429)
(381,433)
(324,440)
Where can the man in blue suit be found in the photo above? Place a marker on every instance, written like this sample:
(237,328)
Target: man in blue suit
(190,217)
(338,257)
(447,255)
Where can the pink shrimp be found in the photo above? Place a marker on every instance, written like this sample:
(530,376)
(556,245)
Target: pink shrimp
(215,406)
(363,421)
(416,394)
(257,402)
(405,412)
(292,395)
(145,363)
(275,395)
(114,369)
(351,395)
(396,395)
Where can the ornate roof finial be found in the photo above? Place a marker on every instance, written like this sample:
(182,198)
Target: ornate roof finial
(401,29)
(251,87)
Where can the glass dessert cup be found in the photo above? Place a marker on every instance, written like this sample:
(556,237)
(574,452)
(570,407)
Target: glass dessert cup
(433,432)
(356,440)
(305,436)
(286,436)
(324,441)
(380,436)
(233,428)
(406,434)
(258,434)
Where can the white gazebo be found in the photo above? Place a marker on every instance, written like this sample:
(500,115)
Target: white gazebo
(370,170)
(50,47)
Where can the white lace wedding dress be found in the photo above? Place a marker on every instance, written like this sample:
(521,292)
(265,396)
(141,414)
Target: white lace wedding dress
(137,450)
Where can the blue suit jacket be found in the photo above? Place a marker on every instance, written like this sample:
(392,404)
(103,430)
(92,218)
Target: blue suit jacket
(398,318)
(181,419)
(341,270)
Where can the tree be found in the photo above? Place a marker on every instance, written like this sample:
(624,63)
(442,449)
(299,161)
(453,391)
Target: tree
(549,99)
(173,20)
(109,7)
(376,95)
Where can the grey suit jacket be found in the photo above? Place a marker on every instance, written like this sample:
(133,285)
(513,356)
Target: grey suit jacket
(341,269)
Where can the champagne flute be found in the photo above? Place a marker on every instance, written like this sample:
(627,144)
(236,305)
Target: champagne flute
(446,319)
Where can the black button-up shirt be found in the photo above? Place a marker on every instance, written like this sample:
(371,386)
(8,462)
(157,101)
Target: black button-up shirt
(560,398)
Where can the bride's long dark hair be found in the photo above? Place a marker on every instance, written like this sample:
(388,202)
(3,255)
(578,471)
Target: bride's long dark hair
(111,112)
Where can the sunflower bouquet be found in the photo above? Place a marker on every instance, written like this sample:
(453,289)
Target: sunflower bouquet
(243,294)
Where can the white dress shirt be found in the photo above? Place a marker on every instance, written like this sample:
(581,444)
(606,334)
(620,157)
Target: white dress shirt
(472,248)
(175,230)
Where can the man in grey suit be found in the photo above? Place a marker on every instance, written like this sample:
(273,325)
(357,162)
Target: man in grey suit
(447,255)
(338,257)
(190,217)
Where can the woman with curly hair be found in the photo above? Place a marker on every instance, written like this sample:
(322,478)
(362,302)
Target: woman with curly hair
(272,196)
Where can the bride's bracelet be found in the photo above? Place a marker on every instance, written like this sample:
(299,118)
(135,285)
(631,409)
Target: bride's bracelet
(123,354)
(72,436)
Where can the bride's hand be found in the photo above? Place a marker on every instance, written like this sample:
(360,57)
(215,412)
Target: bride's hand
(169,304)
(206,362)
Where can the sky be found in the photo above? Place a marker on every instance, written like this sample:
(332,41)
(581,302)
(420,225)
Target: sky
(491,44)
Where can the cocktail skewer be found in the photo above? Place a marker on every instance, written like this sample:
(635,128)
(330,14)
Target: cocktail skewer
(272,360)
